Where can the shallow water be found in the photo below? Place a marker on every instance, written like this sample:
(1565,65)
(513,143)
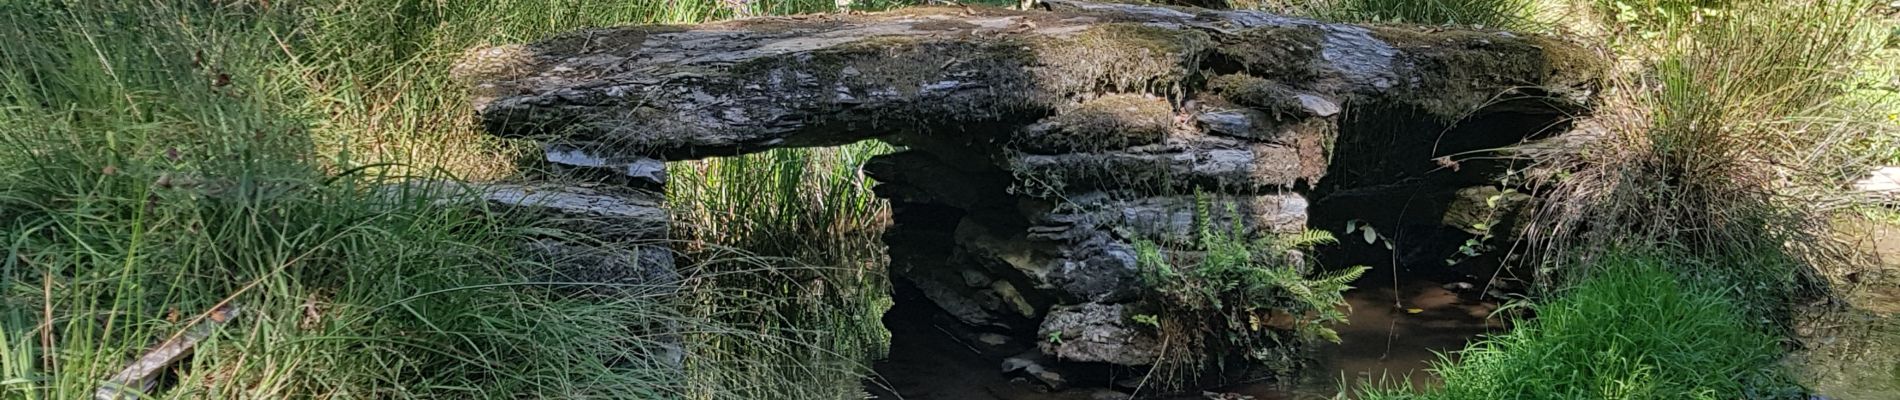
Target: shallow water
(1853,352)
(1383,343)
(1850,357)
(1388,343)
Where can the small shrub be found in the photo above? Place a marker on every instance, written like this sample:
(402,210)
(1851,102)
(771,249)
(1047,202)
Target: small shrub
(1633,330)
(1502,14)
(1228,293)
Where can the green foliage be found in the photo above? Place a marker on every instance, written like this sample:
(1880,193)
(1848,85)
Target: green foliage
(157,158)
(139,190)
(1738,107)
(1727,111)
(1633,330)
(1224,293)
(1654,17)
(1503,14)
(811,221)
(1149,320)
(1368,233)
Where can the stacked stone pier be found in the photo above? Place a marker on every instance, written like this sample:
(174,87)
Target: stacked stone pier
(1038,145)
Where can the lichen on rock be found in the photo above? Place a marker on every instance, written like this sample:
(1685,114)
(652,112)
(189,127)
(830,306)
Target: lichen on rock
(1040,146)
(1098,333)
(1109,122)
(1120,57)
(1454,74)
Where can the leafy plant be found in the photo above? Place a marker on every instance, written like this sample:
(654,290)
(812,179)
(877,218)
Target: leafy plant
(1675,338)
(1368,233)
(1149,320)
(1510,14)
(1483,226)
(1230,292)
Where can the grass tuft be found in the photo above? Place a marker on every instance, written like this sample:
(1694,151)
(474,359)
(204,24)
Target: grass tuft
(1498,14)
(158,159)
(1633,330)
(1730,138)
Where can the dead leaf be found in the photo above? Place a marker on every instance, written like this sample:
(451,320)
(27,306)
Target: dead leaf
(1446,162)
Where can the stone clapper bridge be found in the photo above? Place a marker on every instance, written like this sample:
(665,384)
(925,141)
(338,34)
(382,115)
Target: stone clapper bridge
(1037,145)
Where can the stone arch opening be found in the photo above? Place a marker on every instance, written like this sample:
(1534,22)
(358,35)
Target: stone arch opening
(1040,146)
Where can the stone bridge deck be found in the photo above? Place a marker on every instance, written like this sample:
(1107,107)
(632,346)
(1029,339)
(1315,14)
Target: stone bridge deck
(1039,144)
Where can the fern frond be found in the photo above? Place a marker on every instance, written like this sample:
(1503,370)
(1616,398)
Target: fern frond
(1314,237)
(1342,277)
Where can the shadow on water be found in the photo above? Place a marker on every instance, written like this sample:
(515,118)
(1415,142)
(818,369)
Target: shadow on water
(1854,353)
(929,360)
(1387,341)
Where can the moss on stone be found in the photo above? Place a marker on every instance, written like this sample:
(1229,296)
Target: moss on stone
(779,24)
(1021,75)
(1109,122)
(1254,92)
(598,41)
(884,72)
(1120,57)
(940,25)
(1456,72)
(1289,53)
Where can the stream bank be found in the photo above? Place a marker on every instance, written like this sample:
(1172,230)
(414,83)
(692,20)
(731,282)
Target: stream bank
(1382,343)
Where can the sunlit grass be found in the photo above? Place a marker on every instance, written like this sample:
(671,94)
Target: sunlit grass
(1729,135)
(811,211)
(1498,14)
(162,158)
(1725,135)
(1634,329)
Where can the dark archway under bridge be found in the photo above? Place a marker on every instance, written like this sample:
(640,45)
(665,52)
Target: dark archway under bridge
(1039,145)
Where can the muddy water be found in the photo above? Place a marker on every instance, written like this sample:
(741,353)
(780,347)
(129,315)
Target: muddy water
(1392,337)
(1853,352)
(1849,355)
(1388,342)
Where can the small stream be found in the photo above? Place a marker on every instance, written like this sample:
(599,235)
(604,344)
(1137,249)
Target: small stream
(1852,352)
(1383,343)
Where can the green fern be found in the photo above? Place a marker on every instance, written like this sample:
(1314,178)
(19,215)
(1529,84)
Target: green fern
(1295,241)
(1237,282)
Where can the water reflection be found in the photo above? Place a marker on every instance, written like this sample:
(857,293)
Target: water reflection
(1387,341)
(1849,354)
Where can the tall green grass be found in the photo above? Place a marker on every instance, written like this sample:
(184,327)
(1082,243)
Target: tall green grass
(161,158)
(141,190)
(1635,329)
(373,75)
(802,222)
(1731,134)
(1501,14)
(822,279)
(796,217)
(1723,135)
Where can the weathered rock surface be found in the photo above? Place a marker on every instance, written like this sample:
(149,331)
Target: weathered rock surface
(581,162)
(1882,184)
(605,212)
(1098,333)
(614,245)
(643,268)
(679,92)
(1039,145)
